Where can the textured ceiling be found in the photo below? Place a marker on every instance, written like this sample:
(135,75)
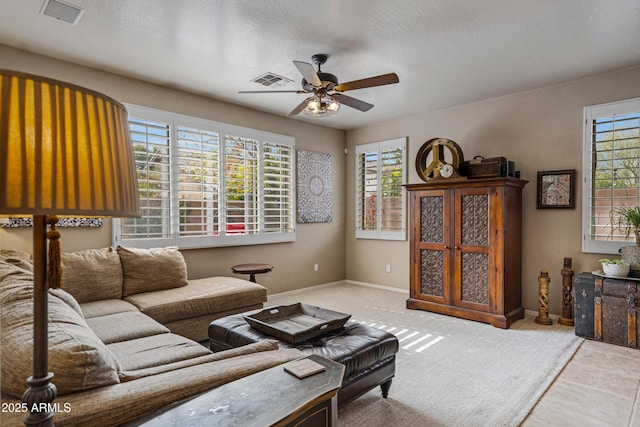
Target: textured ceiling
(445,52)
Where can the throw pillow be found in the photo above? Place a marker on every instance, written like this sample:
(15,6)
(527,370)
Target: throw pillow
(152,269)
(79,360)
(17,257)
(92,275)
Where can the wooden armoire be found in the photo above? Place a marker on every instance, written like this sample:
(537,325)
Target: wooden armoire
(466,248)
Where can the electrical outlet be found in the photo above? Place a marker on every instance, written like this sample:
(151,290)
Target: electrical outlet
(388,268)
(315,267)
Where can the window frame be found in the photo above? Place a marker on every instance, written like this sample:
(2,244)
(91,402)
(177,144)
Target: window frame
(592,113)
(175,120)
(378,148)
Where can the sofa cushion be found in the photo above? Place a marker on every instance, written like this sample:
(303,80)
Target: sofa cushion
(264,345)
(124,326)
(196,328)
(68,299)
(107,306)
(152,269)
(155,350)
(79,358)
(200,297)
(92,275)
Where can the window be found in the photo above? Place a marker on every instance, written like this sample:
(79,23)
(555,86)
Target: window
(204,183)
(380,197)
(612,170)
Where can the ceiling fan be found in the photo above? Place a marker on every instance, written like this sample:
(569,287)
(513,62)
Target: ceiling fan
(327,92)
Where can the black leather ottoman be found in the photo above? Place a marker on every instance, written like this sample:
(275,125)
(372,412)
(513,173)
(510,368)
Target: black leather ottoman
(368,354)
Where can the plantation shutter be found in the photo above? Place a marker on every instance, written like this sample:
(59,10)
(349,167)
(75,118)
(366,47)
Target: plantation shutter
(278,188)
(242,212)
(366,189)
(199,182)
(380,197)
(151,146)
(612,172)
(391,200)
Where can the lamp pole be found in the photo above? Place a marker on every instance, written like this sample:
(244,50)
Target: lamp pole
(41,391)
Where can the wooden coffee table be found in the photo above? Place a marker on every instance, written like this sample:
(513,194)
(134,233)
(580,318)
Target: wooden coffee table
(272,397)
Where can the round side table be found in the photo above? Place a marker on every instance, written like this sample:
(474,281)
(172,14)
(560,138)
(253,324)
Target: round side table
(252,269)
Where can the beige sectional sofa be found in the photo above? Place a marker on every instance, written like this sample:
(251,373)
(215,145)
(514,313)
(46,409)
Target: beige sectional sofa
(121,334)
(155,282)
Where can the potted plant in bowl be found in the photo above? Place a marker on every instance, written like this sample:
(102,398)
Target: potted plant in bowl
(615,267)
(627,220)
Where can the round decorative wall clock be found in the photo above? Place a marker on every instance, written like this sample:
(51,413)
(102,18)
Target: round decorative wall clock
(430,160)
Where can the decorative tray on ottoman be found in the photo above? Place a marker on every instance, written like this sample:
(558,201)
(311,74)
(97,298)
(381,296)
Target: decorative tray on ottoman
(297,322)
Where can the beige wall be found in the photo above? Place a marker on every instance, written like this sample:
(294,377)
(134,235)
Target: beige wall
(539,130)
(321,243)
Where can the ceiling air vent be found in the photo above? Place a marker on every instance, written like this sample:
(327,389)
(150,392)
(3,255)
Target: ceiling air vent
(63,11)
(272,80)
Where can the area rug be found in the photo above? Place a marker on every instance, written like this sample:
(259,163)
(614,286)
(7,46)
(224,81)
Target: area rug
(450,371)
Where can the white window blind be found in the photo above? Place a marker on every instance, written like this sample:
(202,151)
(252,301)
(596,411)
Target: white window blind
(612,170)
(241,185)
(204,183)
(151,141)
(380,197)
(199,182)
(278,188)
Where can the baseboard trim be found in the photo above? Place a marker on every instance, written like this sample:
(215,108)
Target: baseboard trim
(373,285)
(338,283)
(308,288)
(534,313)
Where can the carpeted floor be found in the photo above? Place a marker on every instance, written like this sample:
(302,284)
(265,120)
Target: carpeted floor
(450,372)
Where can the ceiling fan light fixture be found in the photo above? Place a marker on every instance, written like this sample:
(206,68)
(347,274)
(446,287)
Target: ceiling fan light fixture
(321,106)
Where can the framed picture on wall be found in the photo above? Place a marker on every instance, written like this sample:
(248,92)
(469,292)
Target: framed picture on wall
(557,189)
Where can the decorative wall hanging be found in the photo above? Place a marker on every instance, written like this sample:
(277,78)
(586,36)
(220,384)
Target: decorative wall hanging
(62,222)
(431,159)
(557,189)
(314,187)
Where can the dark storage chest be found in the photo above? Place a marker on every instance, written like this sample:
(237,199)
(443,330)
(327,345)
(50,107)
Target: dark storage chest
(605,309)
(583,296)
(615,318)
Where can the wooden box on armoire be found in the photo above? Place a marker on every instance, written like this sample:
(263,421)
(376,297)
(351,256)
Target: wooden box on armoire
(466,248)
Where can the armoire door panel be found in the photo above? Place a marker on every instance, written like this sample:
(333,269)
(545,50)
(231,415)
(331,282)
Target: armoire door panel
(433,246)
(474,220)
(432,272)
(472,242)
(432,218)
(474,286)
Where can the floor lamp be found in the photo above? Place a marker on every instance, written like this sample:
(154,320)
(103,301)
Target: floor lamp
(64,150)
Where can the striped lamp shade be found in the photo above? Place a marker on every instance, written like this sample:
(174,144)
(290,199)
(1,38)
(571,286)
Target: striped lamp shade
(64,150)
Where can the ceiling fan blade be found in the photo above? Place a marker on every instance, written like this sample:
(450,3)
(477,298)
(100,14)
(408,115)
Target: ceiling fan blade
(308,73)
(298,109)
(384,79)
(352,102)
(272,91)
